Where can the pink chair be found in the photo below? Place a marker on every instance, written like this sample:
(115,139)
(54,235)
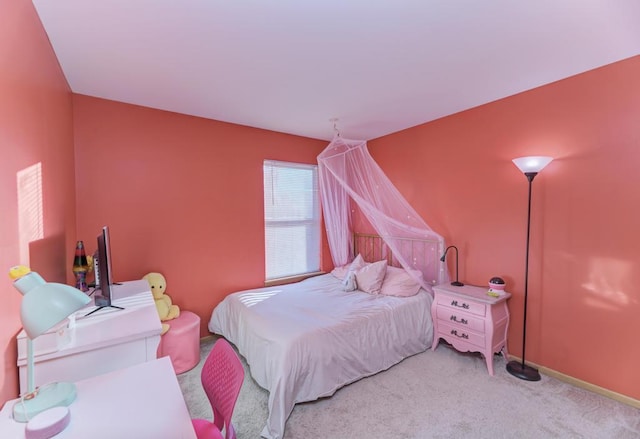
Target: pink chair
(222,376)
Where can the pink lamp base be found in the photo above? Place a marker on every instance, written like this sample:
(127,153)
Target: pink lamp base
(48,423)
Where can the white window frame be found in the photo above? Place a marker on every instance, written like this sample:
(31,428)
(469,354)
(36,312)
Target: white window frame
(285,257)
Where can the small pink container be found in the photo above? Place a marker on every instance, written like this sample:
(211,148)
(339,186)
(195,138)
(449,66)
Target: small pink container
(496,284)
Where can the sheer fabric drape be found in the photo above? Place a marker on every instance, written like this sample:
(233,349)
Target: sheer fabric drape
(349,174)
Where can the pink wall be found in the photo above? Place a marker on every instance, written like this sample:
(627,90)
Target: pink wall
(181,195)
(35,127)
(585,261)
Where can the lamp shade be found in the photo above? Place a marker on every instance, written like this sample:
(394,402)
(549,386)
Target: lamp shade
(46,304)
(532,163)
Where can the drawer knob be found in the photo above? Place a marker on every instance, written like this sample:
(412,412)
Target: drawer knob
(463,335)
(463,321)
(463,305)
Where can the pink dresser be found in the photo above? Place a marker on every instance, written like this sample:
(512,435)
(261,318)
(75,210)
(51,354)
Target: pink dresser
(471,320)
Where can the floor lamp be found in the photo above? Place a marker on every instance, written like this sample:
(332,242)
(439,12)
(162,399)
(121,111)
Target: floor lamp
(530,166)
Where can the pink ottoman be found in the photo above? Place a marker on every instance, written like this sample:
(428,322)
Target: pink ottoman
(182,342)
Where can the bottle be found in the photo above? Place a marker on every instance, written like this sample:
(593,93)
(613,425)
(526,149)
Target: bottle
(80,267)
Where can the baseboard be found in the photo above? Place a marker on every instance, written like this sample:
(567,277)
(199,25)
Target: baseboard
(583,384)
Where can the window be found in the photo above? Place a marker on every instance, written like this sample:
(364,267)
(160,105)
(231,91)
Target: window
(291,219)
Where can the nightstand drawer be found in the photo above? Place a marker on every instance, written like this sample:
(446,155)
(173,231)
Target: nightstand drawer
(462,304)
(453,333)
(459,318)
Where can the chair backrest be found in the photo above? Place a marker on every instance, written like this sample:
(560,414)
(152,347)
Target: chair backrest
(222,376)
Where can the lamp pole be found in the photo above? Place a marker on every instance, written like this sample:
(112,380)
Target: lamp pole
(530,166)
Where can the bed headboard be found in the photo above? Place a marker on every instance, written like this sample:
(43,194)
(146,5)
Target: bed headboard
(423,253)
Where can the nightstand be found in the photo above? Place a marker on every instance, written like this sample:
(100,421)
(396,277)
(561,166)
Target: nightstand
(471,320)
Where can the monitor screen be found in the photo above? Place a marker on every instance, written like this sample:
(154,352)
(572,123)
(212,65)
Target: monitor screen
(104,280)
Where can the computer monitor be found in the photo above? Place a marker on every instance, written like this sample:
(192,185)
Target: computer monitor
(103,293)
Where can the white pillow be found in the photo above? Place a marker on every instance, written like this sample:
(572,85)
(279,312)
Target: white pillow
(370,277)
(398,282)
(358,263)
(341,272)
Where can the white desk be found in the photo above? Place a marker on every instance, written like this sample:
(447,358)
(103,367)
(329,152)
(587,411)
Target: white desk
(107,340)
(141,401)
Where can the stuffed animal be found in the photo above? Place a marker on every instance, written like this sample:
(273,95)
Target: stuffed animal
(166,309)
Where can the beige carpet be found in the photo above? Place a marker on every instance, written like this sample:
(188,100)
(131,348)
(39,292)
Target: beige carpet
(435,394)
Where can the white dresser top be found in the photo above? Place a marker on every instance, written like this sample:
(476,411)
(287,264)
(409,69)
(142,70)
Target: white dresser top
(473,292)
(108,326)
(140,401)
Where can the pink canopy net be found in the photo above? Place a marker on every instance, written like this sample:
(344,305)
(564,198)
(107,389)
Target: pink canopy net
(348,174)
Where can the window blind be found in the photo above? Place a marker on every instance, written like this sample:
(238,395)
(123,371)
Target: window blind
(291,219)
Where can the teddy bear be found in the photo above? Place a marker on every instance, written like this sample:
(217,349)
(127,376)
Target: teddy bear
(165,307)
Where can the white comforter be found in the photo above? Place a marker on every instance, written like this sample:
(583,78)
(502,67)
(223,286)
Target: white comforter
(304,341)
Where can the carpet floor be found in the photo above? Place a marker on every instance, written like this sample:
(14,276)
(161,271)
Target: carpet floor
(435,394)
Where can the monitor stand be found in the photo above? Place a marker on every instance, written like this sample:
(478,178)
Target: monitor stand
(101,307)
(102,302)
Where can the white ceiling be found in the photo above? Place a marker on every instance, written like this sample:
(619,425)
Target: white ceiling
(379,66)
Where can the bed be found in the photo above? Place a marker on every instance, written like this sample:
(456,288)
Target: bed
(305,340)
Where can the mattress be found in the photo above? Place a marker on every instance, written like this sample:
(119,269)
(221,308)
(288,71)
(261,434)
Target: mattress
(304,341)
